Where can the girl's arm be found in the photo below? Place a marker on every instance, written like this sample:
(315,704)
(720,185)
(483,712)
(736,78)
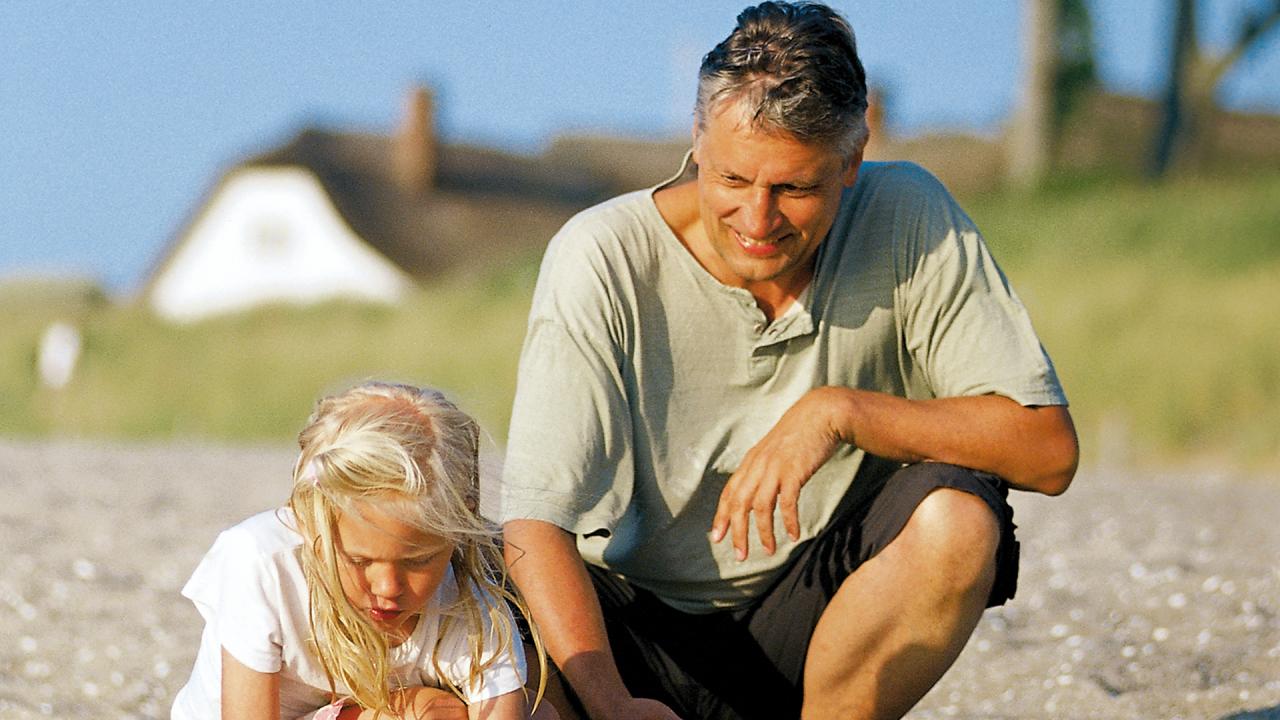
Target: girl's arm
(248,694)
(509,706)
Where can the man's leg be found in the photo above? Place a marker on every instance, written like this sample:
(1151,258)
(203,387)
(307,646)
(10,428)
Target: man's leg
(669,655)
(901,619)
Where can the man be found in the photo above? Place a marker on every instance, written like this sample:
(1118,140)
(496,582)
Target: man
(766,420)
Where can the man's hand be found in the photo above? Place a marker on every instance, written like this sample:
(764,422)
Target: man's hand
(773,471)
(1031,448)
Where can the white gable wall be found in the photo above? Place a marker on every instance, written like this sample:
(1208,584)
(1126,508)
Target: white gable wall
(270,235)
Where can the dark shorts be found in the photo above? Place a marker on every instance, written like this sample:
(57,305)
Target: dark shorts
(749,662)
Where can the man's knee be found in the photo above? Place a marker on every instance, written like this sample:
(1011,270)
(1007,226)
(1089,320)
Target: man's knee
(955,534)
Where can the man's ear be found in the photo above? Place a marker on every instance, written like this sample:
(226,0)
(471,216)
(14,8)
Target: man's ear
(694,136)
(850,174)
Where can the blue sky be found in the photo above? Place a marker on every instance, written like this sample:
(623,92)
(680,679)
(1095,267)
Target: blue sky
(115,118)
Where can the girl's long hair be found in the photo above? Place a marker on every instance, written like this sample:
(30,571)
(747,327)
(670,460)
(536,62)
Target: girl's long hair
(415,455)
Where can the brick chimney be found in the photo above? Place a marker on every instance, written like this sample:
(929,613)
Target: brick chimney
(414,149)
(875,149)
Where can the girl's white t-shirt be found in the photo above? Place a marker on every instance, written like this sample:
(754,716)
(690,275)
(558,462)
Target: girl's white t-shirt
(252,594)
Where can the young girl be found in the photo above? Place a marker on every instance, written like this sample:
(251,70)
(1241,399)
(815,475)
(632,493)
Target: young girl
(378,590)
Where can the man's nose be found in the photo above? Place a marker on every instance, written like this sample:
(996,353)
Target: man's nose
(759,213)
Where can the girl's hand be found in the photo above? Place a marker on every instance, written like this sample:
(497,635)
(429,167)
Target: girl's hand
(415,703)
(426,703)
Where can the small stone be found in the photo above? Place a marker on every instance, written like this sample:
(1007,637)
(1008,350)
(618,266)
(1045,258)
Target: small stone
(84,569)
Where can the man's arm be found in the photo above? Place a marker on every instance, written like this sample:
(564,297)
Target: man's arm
(1032,448)
(553,579)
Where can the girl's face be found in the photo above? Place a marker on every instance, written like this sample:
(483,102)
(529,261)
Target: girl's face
(389,570)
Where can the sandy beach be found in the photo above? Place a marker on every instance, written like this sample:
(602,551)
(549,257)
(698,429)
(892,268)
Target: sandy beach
(1142,595)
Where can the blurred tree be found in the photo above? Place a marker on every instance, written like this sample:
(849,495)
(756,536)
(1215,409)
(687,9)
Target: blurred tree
(1075,74)
(1058,51)
(1194,75)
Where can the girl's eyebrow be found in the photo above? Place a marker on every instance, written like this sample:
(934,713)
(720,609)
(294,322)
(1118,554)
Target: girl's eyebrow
(419,555)
(428,553)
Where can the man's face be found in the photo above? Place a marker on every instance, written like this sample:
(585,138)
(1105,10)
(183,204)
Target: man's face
(766,201)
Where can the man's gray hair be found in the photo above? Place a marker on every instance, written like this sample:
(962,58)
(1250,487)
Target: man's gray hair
(796,68)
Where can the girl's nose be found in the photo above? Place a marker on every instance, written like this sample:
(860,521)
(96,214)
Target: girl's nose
(384,581)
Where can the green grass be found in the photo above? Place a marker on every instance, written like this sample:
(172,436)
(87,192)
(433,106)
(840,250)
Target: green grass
(1159,304)
(256,375)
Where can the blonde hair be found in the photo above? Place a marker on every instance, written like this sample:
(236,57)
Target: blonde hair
(415,455)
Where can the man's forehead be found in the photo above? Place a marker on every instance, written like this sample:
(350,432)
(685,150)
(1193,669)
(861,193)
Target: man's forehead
(737,120)
(746,154)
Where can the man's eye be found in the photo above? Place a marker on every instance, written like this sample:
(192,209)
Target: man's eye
(797,190)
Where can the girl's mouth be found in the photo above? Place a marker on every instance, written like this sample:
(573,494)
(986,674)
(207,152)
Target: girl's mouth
(384,616)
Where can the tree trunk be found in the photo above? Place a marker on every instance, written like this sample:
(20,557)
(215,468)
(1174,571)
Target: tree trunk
(1030,145)
(1172,125)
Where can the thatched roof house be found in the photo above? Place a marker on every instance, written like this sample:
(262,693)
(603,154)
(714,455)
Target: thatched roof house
(361,215)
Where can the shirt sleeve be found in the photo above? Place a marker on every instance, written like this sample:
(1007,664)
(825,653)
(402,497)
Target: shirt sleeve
(965,326)
(569,448)
(236,590)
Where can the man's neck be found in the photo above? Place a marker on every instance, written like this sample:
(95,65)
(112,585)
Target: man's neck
(774,301)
